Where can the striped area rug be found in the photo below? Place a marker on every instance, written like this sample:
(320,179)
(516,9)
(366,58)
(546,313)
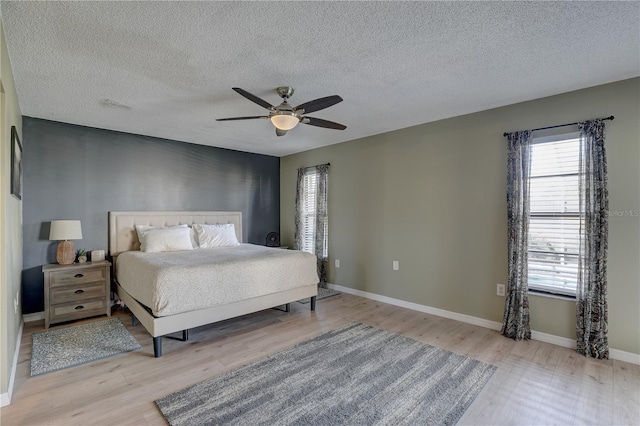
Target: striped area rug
(355,374)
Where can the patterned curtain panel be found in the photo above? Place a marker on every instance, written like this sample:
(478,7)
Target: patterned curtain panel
(322,223)
(298,233)
(311,218)
(515,323)
(591,295)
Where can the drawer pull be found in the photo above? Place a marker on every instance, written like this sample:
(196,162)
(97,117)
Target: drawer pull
(77,308)
(79,291)
(79,275)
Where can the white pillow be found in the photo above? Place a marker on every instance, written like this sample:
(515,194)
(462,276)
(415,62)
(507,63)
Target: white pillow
(216,235)
(170,238)
(192,233)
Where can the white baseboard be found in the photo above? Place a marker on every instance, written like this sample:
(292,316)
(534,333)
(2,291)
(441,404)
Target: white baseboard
(36,316)
(420,308)
(565,342)
(617,354)
(5,398)
(625,356)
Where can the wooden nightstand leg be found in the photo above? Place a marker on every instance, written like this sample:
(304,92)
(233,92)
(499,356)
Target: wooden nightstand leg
(47,281)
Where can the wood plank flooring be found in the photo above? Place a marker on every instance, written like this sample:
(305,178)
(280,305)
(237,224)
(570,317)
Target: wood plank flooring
(536,383)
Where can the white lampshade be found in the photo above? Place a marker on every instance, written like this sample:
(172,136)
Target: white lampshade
(65,230)
(284,121)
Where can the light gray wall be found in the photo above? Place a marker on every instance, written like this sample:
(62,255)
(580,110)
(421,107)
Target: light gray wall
(434,197)
(10,231)
(75,172)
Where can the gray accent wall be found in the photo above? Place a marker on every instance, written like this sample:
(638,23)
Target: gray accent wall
(75,172)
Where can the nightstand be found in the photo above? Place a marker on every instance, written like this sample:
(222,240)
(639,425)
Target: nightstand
(76,291)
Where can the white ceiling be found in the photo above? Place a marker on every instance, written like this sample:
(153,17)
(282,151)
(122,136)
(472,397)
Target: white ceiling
(166,69)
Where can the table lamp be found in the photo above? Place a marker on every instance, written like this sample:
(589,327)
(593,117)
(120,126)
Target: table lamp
(63,231)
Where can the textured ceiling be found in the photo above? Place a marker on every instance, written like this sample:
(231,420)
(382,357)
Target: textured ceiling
(166,69)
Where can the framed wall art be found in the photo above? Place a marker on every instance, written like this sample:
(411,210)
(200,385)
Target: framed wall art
(16,164)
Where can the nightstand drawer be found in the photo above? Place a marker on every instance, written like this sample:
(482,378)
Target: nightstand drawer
(87,275)
(77,292)
(82,309)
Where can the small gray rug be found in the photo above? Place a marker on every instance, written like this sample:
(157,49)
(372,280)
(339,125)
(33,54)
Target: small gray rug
(61,348)
(323,293)
(356,374)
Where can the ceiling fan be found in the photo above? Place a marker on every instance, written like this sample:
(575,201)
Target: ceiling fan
(285,117)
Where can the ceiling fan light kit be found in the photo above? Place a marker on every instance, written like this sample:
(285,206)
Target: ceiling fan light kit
(284,121)
(285,117)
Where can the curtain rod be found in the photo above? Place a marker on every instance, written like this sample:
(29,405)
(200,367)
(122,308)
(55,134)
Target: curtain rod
(611,117)
(310,167)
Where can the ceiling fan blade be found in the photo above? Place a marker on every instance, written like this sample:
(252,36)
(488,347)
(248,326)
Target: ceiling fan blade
(241,118)
(280,132)
(323,123)
(254,98)
(318,104)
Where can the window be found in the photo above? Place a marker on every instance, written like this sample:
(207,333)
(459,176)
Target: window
(554,216)
(309,213)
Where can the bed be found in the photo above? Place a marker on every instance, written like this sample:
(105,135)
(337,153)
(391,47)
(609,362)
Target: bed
(212,286)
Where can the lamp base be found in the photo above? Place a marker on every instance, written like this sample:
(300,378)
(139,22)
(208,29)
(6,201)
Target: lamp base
(66,253)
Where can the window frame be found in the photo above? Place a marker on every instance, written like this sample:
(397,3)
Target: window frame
(544,138)
(310,217)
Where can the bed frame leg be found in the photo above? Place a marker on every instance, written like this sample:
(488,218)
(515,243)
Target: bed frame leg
(287,307)
(313,303)
(185,335)
(133,321)
(157,346)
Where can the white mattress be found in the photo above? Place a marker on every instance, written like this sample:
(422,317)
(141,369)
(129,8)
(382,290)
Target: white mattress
(174,282)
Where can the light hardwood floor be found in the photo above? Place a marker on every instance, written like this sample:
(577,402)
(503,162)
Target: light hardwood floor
(536,383)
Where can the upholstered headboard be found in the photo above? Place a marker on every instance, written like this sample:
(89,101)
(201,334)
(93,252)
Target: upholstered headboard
(122,225)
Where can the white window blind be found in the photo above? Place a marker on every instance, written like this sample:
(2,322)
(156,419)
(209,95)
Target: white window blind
(309,213)
(554,222)
(310,185)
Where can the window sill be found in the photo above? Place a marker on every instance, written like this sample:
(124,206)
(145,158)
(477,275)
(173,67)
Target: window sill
(552,295)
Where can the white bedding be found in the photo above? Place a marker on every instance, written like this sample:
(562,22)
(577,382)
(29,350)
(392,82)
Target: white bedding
(174,282)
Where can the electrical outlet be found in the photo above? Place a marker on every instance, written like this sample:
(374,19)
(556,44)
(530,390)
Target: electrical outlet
(500,289)
(337,263)
(16,303)
(396,265)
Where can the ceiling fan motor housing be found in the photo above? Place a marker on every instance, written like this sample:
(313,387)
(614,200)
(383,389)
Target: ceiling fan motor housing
(285,91)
